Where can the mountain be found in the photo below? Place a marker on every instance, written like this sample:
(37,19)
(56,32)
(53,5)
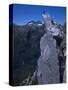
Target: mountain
(26,47)
(26,50)
(35,23)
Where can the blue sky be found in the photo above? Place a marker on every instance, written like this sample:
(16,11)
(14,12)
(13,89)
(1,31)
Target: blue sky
(22,14)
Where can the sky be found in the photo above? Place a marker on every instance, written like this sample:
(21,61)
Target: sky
(23,13)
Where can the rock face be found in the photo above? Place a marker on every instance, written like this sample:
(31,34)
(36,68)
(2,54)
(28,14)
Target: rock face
(48,69)
(51,63)
(50,25)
